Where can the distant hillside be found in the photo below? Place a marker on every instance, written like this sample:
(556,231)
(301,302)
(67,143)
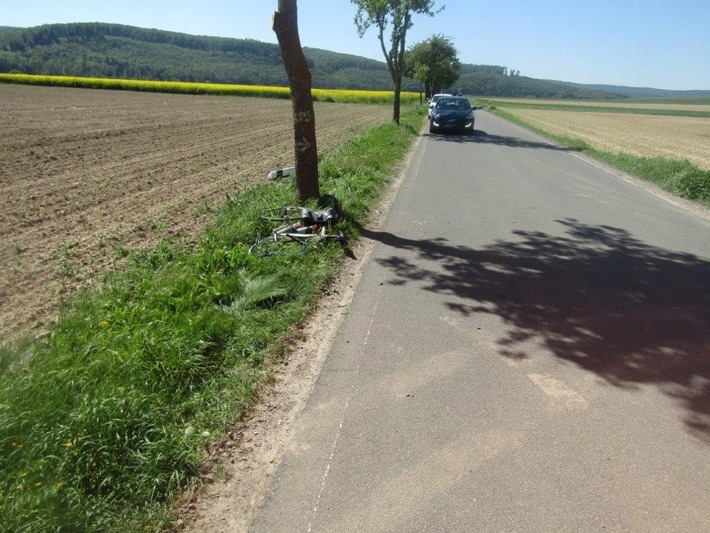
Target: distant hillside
(118,51)
(639,92)
(489,80)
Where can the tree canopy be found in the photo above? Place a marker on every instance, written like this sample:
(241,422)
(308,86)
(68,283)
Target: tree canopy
(434,63)
(395,15)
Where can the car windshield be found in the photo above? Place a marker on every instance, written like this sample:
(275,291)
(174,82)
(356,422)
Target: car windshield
(453,103)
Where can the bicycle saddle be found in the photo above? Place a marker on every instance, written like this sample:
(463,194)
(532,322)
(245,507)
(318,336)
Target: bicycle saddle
(326,216)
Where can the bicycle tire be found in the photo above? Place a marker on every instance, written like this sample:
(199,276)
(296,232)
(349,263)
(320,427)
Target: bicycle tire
(282,214)
(324,239)
(277,246)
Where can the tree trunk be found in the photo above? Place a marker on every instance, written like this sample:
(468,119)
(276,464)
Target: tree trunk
(395,67)
(285,25)
(397,100)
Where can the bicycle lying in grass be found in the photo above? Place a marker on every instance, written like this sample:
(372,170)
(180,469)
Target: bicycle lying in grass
(299,228)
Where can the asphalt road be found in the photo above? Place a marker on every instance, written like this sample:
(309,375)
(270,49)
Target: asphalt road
(528,350)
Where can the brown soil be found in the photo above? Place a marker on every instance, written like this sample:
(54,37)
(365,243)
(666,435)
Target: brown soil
(673,137)
(87,173)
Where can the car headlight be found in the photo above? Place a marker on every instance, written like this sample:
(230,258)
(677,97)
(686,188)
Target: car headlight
(469,116)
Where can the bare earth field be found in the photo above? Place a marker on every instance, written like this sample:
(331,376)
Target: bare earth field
(85,173)
(621,104)
(674,137)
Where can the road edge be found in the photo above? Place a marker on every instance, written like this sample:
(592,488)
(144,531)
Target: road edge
(247,457)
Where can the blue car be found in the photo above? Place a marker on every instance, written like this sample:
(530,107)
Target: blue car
(452,113)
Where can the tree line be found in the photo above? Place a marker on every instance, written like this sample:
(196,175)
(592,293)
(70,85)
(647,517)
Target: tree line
(120,51)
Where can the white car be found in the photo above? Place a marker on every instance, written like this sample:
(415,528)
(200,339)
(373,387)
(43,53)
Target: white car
(432,101)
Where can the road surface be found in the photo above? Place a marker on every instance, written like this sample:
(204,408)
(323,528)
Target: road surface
(528,350)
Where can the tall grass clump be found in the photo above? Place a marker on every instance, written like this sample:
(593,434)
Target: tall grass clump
(681,177)
(104,420)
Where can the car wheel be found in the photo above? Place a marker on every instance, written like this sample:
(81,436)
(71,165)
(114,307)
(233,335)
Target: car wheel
(432,129)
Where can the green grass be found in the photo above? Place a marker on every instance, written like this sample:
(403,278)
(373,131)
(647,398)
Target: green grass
(703,100)
(680,177)
(104,420)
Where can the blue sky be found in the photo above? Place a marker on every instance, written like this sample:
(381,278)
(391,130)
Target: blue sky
(642,43)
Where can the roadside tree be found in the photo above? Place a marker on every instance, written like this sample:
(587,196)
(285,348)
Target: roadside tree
(285,25)
(396,14)
(434,63)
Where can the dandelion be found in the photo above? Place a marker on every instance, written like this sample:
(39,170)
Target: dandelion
(104,324)
(69,444)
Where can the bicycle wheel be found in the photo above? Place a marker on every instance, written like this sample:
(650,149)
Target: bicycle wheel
(323,239)
(339,237)
(283,214)
(277,246)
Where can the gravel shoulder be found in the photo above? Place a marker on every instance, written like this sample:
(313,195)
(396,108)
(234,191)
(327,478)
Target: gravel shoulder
(246,459)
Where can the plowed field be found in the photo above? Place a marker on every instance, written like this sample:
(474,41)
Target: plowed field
(86,173)
(673,137)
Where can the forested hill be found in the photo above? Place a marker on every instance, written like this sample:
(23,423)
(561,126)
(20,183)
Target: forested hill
(642,92)
(118,51)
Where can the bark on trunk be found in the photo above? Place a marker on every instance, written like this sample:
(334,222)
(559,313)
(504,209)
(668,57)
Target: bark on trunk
(397,100)
(285,25)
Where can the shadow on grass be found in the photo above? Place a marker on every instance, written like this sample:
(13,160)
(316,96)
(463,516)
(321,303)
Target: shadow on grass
(598,297)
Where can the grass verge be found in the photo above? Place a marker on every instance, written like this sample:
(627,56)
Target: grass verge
(679,177)
(104,421)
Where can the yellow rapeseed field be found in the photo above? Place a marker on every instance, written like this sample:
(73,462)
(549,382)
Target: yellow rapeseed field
(263,91)
(673,137)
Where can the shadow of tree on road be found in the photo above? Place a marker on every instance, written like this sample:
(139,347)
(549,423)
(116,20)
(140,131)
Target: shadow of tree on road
(597,297)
